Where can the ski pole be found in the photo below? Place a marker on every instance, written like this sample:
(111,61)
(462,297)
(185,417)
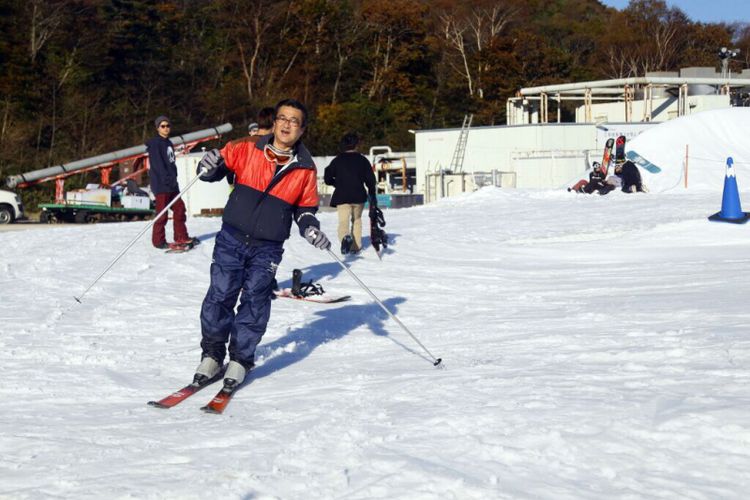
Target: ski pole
(435,361)
(153,221)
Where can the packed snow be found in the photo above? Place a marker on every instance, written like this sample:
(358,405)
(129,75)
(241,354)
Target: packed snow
(691,151)
(593,347)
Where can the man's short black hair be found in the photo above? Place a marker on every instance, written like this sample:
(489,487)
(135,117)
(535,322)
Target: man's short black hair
(292,103)
(265,117)
(349,141)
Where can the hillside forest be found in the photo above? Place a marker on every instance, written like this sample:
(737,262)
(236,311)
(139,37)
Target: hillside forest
(82,77)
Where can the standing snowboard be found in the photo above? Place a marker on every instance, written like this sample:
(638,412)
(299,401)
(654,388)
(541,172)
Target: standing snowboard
(620,150)
(607,155)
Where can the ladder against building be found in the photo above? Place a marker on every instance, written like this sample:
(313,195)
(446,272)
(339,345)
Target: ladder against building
(457,163)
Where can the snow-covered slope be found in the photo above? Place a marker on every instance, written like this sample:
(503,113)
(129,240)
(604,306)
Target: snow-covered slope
(711,137)
(594,347)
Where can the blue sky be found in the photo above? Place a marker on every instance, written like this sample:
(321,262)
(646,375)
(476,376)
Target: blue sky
(706,11)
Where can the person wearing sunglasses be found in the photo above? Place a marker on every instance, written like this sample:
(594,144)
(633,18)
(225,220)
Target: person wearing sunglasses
(275,184)
(163,177)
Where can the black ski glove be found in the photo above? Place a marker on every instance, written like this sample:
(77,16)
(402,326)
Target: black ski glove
(211,162)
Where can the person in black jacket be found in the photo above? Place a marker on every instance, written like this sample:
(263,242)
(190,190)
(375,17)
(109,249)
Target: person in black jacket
(349,173)
(597,182)
(631,178)
(163,175)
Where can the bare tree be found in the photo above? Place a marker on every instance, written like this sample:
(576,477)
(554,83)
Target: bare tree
(383,48)
(472,38)
(62,77)
(655,36)
(345,40)
(251,26)
(45,19)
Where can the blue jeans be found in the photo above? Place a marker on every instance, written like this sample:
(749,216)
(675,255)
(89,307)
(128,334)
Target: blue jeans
(251,270)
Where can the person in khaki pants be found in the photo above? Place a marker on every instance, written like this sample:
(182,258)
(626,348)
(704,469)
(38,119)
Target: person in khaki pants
(349,173)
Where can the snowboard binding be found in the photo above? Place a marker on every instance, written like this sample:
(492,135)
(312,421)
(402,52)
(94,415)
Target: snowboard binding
(304,289)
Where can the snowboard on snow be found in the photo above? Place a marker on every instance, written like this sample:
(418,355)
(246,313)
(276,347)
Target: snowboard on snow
(308,291)
(320,299)
(642,162)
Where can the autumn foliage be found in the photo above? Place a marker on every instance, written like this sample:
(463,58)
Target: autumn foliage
(82,77)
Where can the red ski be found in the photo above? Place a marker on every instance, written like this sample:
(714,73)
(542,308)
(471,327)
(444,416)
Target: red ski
(181,395)
(219,402)
(222,398)
(176,397)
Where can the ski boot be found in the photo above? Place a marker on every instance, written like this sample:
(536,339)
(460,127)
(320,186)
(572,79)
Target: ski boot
(206,371)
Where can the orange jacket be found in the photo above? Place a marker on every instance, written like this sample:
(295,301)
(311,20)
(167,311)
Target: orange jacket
(265,198)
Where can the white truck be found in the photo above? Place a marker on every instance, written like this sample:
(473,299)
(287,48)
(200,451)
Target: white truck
(11,208)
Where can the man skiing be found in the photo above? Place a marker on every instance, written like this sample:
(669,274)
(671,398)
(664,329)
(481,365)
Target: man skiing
(275,183)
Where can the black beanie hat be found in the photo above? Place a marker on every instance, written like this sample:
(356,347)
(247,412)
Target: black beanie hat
(159,119)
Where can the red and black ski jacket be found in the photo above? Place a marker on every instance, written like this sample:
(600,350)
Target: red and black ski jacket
(266,198)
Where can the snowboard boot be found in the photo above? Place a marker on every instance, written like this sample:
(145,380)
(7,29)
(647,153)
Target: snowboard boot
(346,244)
(297,282)
(234,376)
(207,370)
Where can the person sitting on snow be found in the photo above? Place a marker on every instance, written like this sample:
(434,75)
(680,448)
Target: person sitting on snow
(631,178)
(597,182)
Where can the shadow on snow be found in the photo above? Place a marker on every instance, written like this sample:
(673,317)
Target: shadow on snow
(331,324)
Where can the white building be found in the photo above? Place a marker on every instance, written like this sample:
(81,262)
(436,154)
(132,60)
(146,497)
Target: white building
(203,198)
(537,150)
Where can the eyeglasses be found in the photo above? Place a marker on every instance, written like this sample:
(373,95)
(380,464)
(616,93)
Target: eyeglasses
(293,122)
(165,125)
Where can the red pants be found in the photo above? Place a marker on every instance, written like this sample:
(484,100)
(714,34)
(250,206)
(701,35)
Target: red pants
(158,233)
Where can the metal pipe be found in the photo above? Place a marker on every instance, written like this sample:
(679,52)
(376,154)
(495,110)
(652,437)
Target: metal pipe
(15,180)
(643,80)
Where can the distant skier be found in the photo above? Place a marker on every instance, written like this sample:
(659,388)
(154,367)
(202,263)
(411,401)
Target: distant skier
(631,178)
